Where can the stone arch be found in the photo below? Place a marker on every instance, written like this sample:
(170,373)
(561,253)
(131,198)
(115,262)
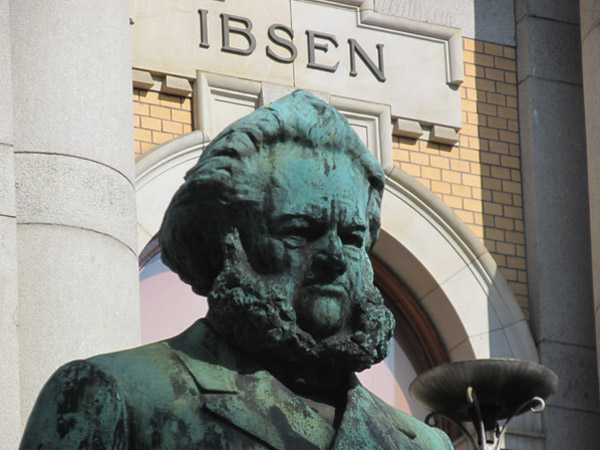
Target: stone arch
(451,274)
(158,174)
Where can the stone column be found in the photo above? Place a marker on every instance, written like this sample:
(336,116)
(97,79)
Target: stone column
(9,355)
(75,198)
(590,43)
(555,192)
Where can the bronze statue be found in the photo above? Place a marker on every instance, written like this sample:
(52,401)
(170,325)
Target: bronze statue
(273,224)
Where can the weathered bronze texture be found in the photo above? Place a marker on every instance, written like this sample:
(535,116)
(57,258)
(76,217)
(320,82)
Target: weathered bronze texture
(274,224)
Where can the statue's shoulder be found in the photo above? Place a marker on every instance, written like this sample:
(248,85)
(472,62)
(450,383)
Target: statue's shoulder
(156,361)
(84,404)
(157,372)
(423,435)
(135,362)
(79,405)
(99,402)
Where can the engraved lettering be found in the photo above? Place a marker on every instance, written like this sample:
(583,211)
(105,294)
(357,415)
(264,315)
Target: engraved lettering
(203,28)
(312,46)
(356,49)
(226,28)
(283,42)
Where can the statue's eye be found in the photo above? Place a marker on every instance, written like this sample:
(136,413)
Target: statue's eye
(352,238)
(295,236)
(228,152)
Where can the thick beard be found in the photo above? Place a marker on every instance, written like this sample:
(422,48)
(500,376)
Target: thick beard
(253,313)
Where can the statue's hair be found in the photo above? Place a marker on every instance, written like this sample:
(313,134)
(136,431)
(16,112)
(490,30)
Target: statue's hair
(222,187)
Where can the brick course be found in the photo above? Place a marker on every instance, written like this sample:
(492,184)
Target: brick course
(159,118)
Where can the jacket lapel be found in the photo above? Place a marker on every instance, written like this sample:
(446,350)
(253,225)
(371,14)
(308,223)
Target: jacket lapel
(241,393)
(267,410)
(206,358)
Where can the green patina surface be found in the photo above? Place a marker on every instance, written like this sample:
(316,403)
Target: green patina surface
(274,224)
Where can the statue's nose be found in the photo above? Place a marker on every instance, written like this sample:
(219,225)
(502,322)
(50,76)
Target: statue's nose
(330,260)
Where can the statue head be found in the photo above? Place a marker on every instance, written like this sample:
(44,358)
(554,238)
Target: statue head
(274,224)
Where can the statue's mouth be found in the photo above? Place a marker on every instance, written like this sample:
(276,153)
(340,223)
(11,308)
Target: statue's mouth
(327,290)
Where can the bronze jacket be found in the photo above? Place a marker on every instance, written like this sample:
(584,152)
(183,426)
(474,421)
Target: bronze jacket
(194,391)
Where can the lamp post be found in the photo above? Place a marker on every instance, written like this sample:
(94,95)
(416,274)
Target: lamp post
(484,392)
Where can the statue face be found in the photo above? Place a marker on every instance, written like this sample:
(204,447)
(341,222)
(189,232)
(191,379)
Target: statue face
(314,235)
(296,283)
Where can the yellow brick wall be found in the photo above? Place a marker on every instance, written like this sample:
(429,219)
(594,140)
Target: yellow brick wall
(480,177)
(158,118)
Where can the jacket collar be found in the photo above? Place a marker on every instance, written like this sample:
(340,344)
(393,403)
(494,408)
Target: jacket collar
(242,393)
(210,361)
(369,423)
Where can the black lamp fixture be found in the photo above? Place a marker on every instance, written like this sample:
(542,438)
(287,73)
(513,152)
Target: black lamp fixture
(484,392)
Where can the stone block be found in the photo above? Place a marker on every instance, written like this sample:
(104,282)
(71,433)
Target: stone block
(74,87)
(518,441)
(591,76)
(597,315)
(443,135)
(407,128)
(591,79)
(400,216)
(589,11)
(7,180)
(10,418)
(496,344)
(142,79)
(576,368)
(492,21)
(6,89)
(412,270)
(177,86)
(459,14)
(520,333)
(478,317)
(558,10)
(489,345)
(495,21)
(566,429)
(549,49)
(271,92)
(63,190)
(520,9)
(555,181)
